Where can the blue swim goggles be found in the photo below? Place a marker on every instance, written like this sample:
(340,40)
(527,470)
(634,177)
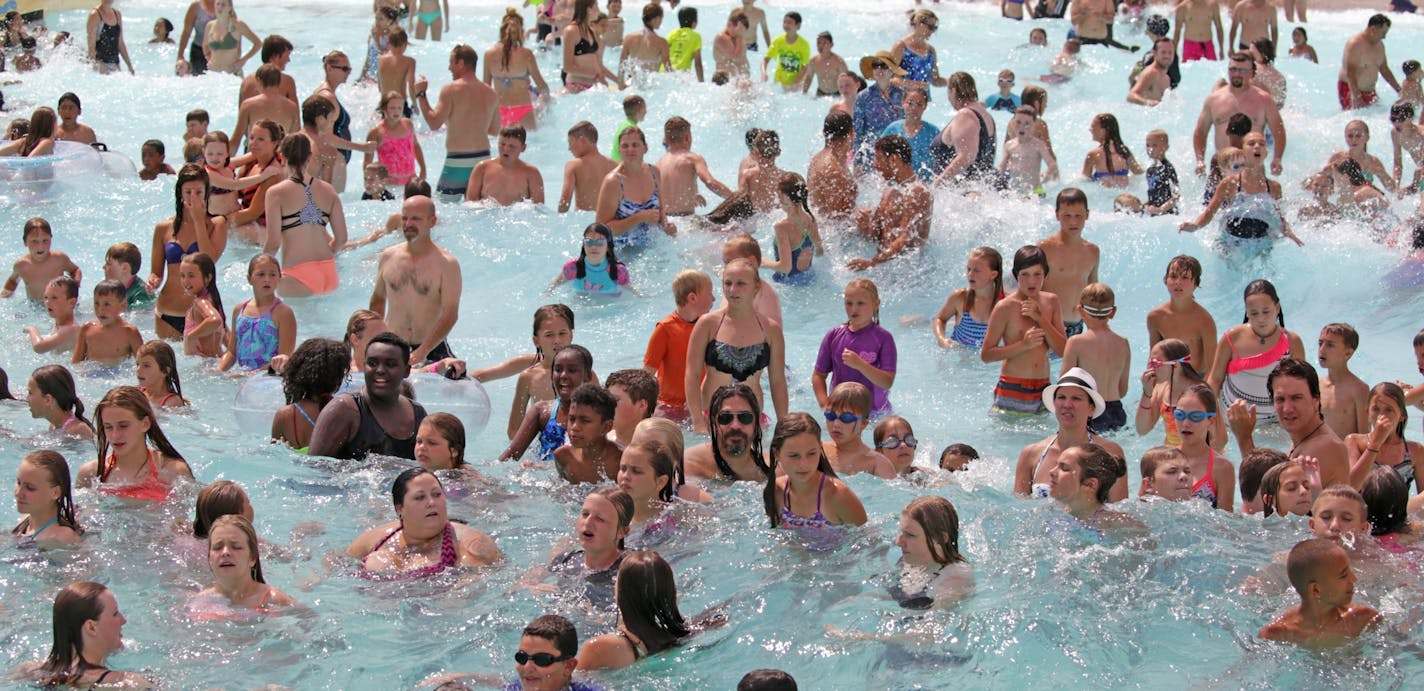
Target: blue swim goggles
(894,442)
(1195,416)
(848,418)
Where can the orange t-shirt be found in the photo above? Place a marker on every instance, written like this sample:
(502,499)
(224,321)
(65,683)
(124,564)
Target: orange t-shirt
(667,353)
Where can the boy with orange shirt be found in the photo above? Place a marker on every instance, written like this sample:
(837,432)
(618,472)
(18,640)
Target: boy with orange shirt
(667,348)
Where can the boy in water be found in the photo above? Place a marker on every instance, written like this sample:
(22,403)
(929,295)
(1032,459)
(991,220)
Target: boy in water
(790,51)
(1255,19)
(847,416)
(956,457)
(589,457)
(1106,355)
(1025,154)
(1023,328)
(636,392)
(395,71)
(584,174)
(685,44)
(60,297)
(634,110)
(1074,260)
(1197,19)
(666,355)
(508,179)
(27,62)
(1181,316)
(196,127)
(1406,137)
(1162,184)
(151,156)
(681,168)
(1006,99)
(1321,574)
(121,263)
(41,265)
(755,18)
(108,339)
(1344,398)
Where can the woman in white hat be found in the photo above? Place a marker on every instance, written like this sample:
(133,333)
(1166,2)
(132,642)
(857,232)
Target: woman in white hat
(1074,400)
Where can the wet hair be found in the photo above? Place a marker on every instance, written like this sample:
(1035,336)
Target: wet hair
(356,325)
(36,225)
(995,261)
(1305,558)
(1254,466)
(714,406)
(596,397)
(1184,263)
(391,339)
(641,387)
(939,520)
(647,600)
(1156,456)
(190,172)
(198,114)
(1386,497)
(1112,140)
(964,450)
(1206,397)
(1409,67)
(1098,464)
(452,431)
(167,362)
(1034,95)
(1239,125)
(1402,111)
(894,146)
(1300,369)
(1347,493)
(557,630)
(1261,286)
(1271,485)
(269,75)
(1344,332)
(74,605)
(792,425)
(1350,168)
(402,483)
(584,357)
(42,124)
(66,283)
(867,285)
(215,500)
(585,129)
(556,310)
(622,503)
(1266,49)
(416,187)
(72,98)
(209,273)
(962,85)
(56,382)
(852,397)
(1303,34)
(1098,300)
(465,54)
(127,253)
(794,187)
(632,129)
(53,463)
(687,282)
(1395,394)
(1175,349)
(167,26)
(1378,20)
(514,132)
(652,11)
(677,129)
(663,463)
(745,247)
(242,524)
(767,144)
(686,17)
(766,680)
(581,264)
(511,33)
(1029,256)
(297,151)
(156,146)
(111,288)
(315,107)
(132,399)
(274,46)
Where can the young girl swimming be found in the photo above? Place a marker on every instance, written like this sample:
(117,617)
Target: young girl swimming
(1111,162)
(548,420)
(236,567)
(796,450)
(597,270)
(1252,215)
(43,497)
(646,472)
(156,366)
(1080,482)
(1197,419)
(553,330)
(203,328)
(264,329)
(440,442)
(796,235)
(126,466)
(932,571)
(1169,372)
(895,440)
(52,397)
(970,307)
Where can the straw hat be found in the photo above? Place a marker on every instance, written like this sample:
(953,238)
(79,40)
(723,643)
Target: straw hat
(1080,378)
(882,56)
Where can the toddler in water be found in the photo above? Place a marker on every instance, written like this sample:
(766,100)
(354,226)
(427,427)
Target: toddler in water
(41,264)
(203,330)
(597,270)
(222,201)
(157,372)
(1321,574)
(108,339)
(264,329)
(60,297)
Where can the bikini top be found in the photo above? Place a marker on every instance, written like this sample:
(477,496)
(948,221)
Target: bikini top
(217,191)
(150,488)
(227,42)
(1266,359)
(586,46)
(174,252)
(1040,489)
(814,521)
(553,435)
(28,541)
(309,214)
(1205,488)
(449,558)
(739,361)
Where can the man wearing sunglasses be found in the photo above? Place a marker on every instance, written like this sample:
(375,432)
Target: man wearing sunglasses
(734,421)
(545,660)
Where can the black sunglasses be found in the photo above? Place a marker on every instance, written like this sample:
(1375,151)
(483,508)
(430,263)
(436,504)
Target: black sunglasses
(744,416)
(540,659)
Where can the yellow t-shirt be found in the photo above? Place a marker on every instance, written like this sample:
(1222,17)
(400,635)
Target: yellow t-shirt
(683,45)
(790,58)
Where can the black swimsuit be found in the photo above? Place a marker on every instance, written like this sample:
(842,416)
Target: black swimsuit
(982,166)
(372,438)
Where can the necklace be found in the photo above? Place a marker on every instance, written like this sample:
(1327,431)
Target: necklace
(1306,438)
(1261,338)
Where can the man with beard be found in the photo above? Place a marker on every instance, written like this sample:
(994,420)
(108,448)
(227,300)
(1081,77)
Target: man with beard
(1295,392)
(1239,95)
(421,283)
(734,421)
(378,419)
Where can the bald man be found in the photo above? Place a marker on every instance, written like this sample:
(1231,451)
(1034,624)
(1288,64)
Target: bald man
(418,286)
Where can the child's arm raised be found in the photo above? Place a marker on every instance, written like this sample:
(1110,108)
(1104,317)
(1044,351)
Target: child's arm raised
(519,407)
(534,420)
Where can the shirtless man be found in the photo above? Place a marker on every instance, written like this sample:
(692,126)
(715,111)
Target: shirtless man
(902,220)
(508,179)
(645,51)
(472,110)
(734,423)
(1256,19)
(825,68)
(681,168)
(1406,137)
(1295,391)
(268,104)
(1153,81)
(1363,64)
(583,176)
(761,181)
(276,51)
(729,47)
(420,282)
(1196,19)
(1074,260)
(829,181)
(755,18)
(395,71)
(1023,327)
(1092,21)
(1239,96)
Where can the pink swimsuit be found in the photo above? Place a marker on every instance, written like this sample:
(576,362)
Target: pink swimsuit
(398,153)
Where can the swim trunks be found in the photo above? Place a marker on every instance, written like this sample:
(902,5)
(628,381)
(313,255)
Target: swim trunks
(509,115)
(318,276)
(1367,98)
(1019,396)
(1198,50)
(1072,329)
(1113,418)
(455,175)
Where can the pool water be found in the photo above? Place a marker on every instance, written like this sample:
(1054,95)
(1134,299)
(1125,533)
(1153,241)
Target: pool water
(1051,606)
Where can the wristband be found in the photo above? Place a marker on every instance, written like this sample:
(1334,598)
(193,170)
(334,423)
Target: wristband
(419,95)
(1371,450)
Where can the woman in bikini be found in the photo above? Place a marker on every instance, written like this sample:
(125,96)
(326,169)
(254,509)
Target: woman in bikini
(431,14)
(192,229)
(222,40)
(809,497)
(648,618)
(423,541)
(250,223)
(43,497)
(583,55)
(510,69)
(1198,421)
(1252,217)
(314,373)
(126,466)
(1249,351)
(88,628)
(797,237)
(52,397)
(632,222)
(304,205)
(236,566)
(1384,445)
(1111,163)
(733,344)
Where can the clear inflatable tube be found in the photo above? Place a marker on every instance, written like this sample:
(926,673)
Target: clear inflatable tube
(260,396)
(39,176)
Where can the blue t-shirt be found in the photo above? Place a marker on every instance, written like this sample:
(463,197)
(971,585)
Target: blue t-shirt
(1008,103)
(596,280)
(920,158)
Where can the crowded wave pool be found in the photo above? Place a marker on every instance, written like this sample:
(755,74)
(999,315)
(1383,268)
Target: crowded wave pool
(1049,605)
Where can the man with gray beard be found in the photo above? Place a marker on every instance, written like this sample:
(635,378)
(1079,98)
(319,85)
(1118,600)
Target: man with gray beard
(734,421)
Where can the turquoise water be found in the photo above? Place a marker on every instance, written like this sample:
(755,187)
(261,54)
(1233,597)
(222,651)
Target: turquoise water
(1053,608)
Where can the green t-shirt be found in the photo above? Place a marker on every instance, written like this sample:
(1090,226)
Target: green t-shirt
(621,126)
(138,294)
(683,45)
(790,58)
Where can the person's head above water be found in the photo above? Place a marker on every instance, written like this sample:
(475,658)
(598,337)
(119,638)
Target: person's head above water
(387,364)
(546,658)
(734,423)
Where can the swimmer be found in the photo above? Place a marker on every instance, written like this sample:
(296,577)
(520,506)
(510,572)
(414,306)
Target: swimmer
(1255,19)
(304,206)
(1154,82)
(583,66)
(423,541)
(1321,574)
(270,102)
(472,111)
(1406,137)
(250,223)
(589,457)
(1083,480)
(967,143)
(314,373)
(1300,45)
(646,51)
(127,467)
(668,435)
(1168,375)
(236,568)
(43,497)
(1166,475)
(1254,466)
(264,329)
(646,472)
(583,175)
(636,391)
(847,411)
(1383,444)
(203,333)
(109,339)
(222,40)
(1386,495)
(729,46)
(597,270)
(900,222)
(1163,189)
(69,129)
(191,229)
(1357,141)
(1025,155)
(971,307)
(630,221)
(1181,316)
(418,285)
(1294,391)
(1239,96)
(1064,64)
(648,618)
(957,457)
(1024,327)
(860,350)
(1253,214)
(36,139)
(1103,353)
(682,168)
(1263,51)
(744,246)
(548,421)
(895,440)
(507,180)
(825,68)
(1287,489)
(831,187)
(41,264)
(553,330)
(60,297)
(1098,165)
(1197,417)
(735,451)
(52,397)
(1075,400)
(748,344)
(589,567)
(157,373)
(88,628)
(1363,63)
(379,418)
(1344,397)
(666,354)
(796,450)
(121,263)
(932,572)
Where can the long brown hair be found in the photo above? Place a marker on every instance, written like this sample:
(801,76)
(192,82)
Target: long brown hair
(940,522)
(74,605)
(995,261)
(221,498)
(58,469)
(56,382)
(647,601)
(242,524)
(167,362)
(791,425)
(130,398)
(190,172)
(511,33)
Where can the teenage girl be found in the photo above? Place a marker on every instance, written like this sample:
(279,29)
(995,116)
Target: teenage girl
(933,573)
(314,373)
(796,235)
(1384,444)
(191,229)
(1286,489)
(734,344)
(398,149)
(1111,162)
(1249,351)
(597,270)
(808,497)
(38,140)
(860,350)
(1300,45)
(1169,372)
(126,466)
(236,566)
(440,442)
(264,329)
(52,397)
(646,473)
(157,370)
(553,331)
(203,326)
(970,307)
(42,495)
(1196,416)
